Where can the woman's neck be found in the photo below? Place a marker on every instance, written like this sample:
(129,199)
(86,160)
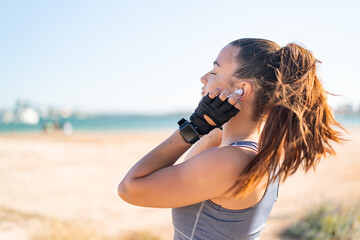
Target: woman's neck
(239,129)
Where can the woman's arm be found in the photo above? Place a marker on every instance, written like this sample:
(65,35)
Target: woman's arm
(170,151)
(206,175)
(155,182)
(164,155)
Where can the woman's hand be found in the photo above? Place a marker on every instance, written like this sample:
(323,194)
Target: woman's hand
(215,109)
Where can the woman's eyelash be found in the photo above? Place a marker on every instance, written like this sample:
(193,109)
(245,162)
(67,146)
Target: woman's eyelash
(212,73)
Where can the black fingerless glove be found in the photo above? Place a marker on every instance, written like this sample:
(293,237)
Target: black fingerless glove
(219,111)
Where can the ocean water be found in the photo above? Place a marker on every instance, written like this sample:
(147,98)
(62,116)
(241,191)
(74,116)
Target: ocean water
(348,120)
(120,123)
(105,123)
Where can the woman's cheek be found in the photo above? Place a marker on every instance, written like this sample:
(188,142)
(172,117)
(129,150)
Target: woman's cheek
(212,84)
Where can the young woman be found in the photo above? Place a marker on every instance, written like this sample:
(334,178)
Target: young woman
(278,120)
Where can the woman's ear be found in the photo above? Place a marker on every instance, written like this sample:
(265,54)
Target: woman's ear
(246,89)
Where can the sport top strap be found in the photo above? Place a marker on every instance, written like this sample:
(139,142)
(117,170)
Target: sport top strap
(247,144)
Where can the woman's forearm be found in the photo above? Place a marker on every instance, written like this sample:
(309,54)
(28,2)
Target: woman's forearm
(164,155)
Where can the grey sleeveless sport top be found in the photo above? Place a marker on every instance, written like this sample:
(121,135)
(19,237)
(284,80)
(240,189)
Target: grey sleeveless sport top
(209,221)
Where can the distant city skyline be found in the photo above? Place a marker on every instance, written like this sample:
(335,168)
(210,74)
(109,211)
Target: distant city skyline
(148,56)
(66,111)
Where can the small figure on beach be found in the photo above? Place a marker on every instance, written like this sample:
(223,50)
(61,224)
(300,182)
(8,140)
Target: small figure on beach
(262,115)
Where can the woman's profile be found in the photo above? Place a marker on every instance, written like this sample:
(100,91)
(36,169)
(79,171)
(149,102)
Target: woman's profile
(263,114)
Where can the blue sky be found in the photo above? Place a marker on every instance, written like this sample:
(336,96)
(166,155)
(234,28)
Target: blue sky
(148,56)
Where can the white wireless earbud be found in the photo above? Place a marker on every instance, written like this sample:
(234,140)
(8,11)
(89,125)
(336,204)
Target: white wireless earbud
(239,91)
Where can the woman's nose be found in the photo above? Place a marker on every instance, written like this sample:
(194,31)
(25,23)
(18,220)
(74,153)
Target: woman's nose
(203,79)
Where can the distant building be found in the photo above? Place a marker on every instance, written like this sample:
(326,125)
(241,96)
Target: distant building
(29,116)
(8,117)
(23,113)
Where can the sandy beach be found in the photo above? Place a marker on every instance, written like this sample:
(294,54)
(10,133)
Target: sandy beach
(74,179)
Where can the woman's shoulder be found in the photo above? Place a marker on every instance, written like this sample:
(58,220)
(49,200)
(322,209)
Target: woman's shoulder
(222,165)
(229,154)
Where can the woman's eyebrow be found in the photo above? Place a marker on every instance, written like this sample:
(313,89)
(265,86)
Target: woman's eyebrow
(216,63)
